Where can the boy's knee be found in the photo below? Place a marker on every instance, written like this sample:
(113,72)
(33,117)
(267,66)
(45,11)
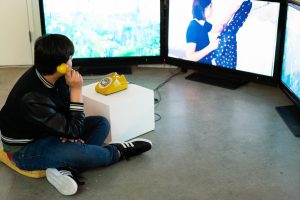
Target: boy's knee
(103,121)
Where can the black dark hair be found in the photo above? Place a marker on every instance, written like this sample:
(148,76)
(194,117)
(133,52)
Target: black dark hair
(199,8)
(50,51)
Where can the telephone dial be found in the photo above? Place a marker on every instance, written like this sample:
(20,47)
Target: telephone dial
(111,83)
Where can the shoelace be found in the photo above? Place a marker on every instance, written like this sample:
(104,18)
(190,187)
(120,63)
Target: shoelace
(128,150)
(65,172)
(72,173)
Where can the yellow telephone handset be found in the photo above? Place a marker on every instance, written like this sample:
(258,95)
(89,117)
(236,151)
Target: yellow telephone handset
(62,68)
(111,83)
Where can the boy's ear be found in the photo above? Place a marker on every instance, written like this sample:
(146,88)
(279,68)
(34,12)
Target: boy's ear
(62,68)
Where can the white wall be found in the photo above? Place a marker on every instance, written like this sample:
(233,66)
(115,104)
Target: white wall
(34,12)
(15,48)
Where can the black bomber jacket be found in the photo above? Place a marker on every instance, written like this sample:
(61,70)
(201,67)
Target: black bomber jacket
(35,108)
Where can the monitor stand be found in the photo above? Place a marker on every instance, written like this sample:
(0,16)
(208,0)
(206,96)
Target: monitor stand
(224,81)
(103,70)
(291,117)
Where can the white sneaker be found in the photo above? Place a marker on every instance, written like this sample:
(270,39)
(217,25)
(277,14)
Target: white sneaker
(62,180)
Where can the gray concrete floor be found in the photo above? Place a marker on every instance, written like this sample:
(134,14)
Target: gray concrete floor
(210,144)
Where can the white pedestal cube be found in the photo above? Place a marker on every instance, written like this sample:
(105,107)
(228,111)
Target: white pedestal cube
(130,112)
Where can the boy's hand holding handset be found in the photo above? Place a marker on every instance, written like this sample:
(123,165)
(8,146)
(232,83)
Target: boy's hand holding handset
(75,82)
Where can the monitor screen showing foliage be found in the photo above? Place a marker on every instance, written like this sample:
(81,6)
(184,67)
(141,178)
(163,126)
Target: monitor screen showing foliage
(106,28)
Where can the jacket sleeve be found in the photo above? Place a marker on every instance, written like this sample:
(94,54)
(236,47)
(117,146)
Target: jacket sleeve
(42,111)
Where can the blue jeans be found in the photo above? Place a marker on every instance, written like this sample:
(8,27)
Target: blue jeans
(51,152)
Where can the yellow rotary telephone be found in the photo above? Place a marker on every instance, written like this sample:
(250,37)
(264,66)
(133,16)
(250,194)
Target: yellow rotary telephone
(111,83)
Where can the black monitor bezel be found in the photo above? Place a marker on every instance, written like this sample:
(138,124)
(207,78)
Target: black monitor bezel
(95,64)
(289,93)
(248,76)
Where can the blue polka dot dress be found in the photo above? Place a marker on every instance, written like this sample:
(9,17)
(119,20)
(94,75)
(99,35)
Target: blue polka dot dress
(226,53)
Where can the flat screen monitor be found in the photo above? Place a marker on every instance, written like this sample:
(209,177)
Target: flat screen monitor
(290,74)
(107,32)
(238,37)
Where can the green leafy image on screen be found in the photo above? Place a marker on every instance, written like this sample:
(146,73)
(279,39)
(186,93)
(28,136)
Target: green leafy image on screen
(106,28)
